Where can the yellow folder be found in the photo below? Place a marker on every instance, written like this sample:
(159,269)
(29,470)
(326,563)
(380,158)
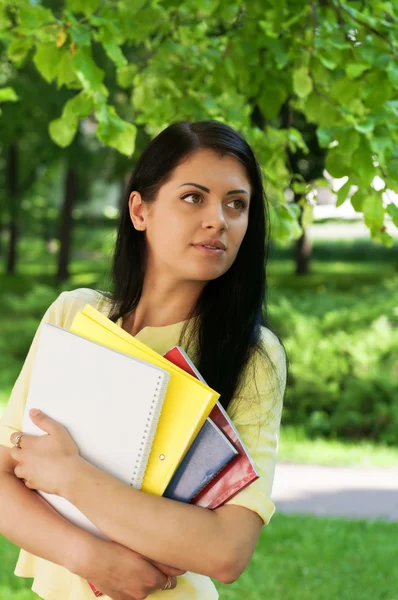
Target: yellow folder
(187,404)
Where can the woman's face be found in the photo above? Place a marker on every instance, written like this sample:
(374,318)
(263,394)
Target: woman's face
(206,200)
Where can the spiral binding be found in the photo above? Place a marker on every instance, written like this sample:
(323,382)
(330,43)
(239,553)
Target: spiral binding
(150,430)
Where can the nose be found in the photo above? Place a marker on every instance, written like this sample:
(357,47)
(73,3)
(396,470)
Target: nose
(215,218)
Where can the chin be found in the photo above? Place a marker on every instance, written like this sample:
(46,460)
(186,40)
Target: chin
(208,274)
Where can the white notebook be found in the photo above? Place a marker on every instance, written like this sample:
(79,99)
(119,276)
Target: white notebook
(109,402)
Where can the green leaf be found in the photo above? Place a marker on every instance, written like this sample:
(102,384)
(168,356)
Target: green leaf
(392,210)
(325,135)
(365,126)
(125,75)
(373,211)
(357,200)
(386,239)
(89,75)
(329,60)
(18,49)
(113,131)
(302,83)
(343,192)
(392,71)
(272,97)
(7,94)
(63,130)
(300,187)
(46,60)
(382,143)
(349,141)
(354,70)
(83,6)
(206,7)
(115,53)
(229,66)
(336,163)
(80,34)
(284,222)
(362,163)
(33,16)
(65,74)
(78,107)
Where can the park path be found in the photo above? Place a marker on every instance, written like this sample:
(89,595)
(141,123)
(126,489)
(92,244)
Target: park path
(350,492)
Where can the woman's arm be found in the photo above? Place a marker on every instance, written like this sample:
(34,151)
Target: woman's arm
(161,529)
(28,521)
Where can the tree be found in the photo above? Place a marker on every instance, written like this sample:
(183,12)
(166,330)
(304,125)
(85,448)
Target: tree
(330,63)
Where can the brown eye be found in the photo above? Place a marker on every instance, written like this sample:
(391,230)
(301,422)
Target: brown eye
(242,204)
(191,195)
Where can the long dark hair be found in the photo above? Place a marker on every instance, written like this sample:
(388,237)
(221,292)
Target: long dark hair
(231,308)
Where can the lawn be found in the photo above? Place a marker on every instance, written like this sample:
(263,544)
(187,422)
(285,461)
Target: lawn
(296,447)
(297,558)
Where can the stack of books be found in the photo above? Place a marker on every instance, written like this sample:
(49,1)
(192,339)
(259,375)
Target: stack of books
(149,420)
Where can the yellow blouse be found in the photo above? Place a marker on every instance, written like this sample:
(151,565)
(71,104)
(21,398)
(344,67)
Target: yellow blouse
(255,411)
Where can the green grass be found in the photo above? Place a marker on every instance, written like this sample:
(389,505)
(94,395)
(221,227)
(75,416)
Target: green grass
(295,447)
(304,558)
(297,558)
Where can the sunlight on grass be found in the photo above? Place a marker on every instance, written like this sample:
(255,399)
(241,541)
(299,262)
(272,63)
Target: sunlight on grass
(295,447)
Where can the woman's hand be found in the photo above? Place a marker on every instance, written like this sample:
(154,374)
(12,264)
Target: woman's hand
(42,459)
(123,574)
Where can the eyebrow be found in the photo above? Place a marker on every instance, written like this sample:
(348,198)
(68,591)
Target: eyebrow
(205,189)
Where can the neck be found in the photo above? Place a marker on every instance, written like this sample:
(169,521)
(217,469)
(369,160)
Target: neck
(162,304)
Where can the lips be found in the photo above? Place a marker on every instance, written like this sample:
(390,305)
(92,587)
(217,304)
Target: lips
(213,243)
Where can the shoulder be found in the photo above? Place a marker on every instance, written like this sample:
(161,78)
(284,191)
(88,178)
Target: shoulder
(69,303)
(273,346)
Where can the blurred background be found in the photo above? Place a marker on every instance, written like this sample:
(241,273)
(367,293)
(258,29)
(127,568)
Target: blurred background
(312,85)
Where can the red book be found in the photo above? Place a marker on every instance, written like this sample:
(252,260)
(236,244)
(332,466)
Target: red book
(237,474)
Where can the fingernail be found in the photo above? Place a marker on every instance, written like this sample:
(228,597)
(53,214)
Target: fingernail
(34,412)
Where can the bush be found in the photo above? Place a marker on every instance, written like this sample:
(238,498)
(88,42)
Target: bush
(343,361)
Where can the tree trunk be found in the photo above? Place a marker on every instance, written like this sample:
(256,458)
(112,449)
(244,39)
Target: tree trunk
(303,254)
(65,228)
(303,250)
(12,192)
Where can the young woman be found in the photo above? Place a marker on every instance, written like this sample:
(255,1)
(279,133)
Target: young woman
(189,268)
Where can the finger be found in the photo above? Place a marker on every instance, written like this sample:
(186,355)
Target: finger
(16,453)
(43,421)
(19,471)
(173,582)
(14,437)
(167,570)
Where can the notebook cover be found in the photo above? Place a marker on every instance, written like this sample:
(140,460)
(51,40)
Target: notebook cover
(102,397)
(240,471)
(236,476)
(208,454)
(187,404)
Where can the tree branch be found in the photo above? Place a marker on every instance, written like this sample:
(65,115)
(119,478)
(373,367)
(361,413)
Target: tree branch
(341,6)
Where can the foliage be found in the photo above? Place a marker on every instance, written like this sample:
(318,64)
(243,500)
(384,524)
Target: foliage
(144,64)
(343,349)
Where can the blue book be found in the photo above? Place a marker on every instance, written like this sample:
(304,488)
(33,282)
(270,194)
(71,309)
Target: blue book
(210,452)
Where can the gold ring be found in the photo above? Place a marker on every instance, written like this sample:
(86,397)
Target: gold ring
(18,440)
(168,584)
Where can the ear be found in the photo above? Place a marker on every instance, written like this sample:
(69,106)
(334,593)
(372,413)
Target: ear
(137,211)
